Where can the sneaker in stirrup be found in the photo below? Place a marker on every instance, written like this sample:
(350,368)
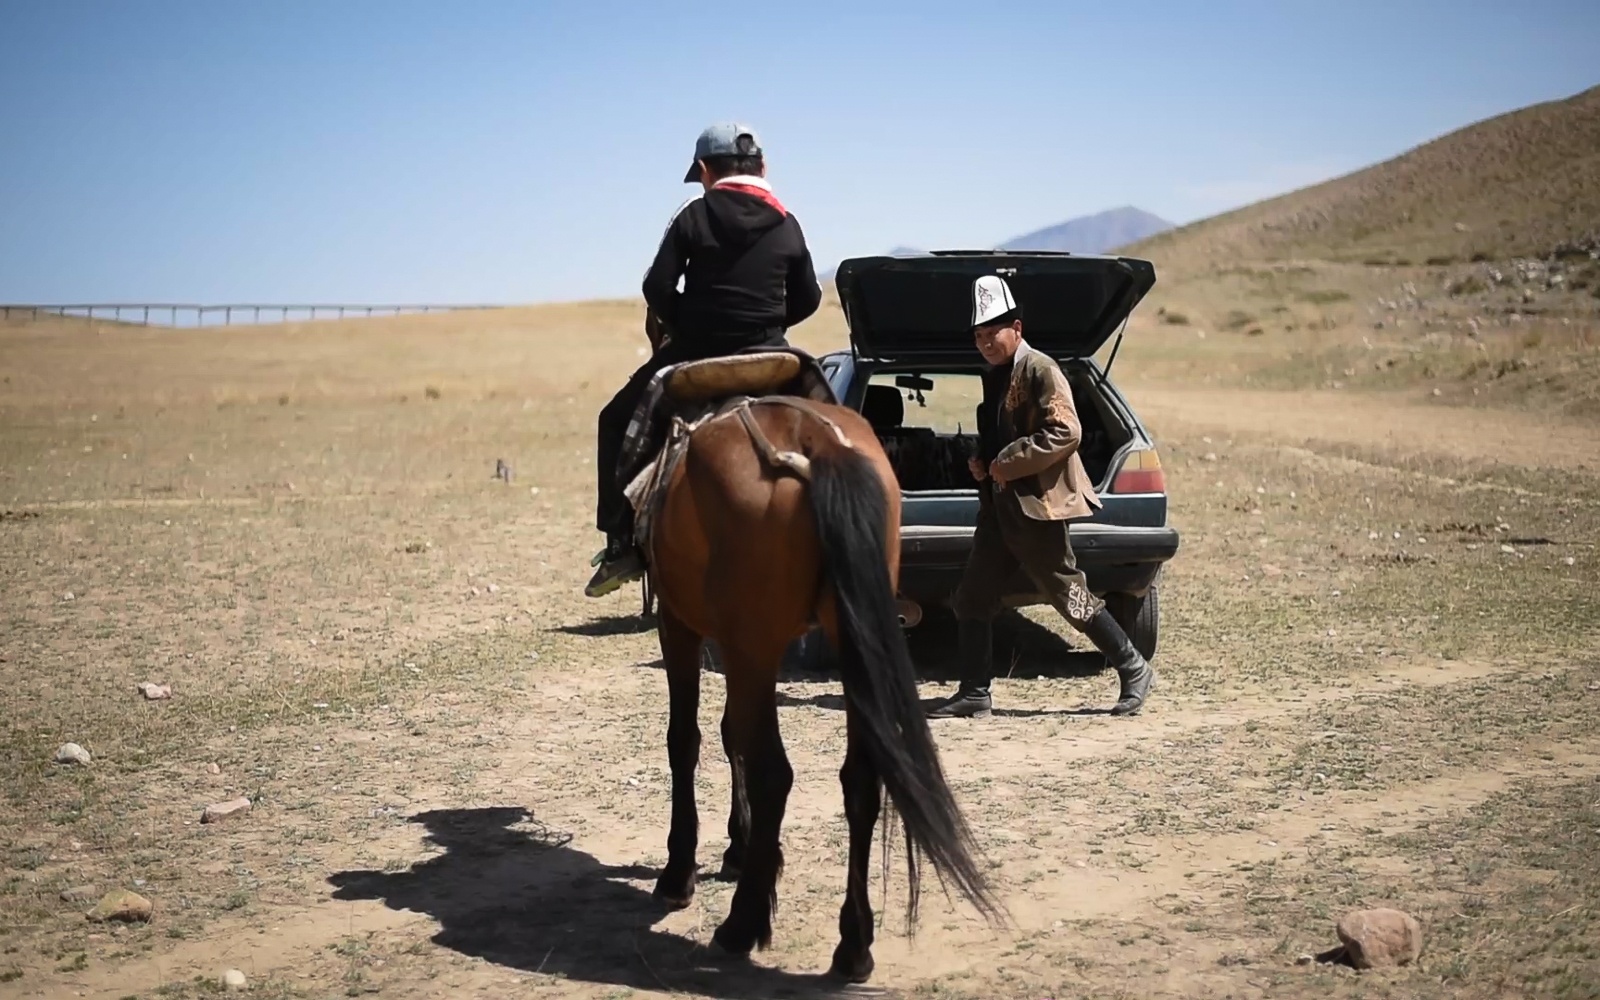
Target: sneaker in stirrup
(618,563)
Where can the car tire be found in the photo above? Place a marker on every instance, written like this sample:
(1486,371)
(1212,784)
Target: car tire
(1140,617)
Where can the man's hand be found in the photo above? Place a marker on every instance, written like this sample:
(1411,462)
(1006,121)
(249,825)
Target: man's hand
(655,330)
(997,474)
(976,468)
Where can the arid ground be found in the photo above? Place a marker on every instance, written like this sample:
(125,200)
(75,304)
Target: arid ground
(1377,402)
(1379,676)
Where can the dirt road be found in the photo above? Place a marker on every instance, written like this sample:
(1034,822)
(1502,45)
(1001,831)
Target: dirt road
(1377,679)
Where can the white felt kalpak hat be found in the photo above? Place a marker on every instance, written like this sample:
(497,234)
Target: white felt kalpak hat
(992,301)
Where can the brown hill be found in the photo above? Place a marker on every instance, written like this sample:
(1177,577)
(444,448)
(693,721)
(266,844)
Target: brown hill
(1516,185)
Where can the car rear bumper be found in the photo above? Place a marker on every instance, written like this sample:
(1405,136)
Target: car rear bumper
(1114,559)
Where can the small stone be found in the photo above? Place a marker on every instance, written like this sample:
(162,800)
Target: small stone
(69,596)
(1372,536)
(79,894)
(71,753)
(155,692)
(1305,960)
(218,811)
(1569,561)
(1508,550)
(212,768)
(494,588)
(1375,939)
(1211,456)
(233,979)
(122,904)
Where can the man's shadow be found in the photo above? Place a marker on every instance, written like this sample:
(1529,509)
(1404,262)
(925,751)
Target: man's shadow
(510,891)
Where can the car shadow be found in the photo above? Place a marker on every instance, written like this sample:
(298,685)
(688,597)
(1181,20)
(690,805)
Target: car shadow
(508,890)
(1023,650)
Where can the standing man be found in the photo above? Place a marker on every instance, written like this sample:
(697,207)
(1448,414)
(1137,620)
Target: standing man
(747,277)
(1031,485)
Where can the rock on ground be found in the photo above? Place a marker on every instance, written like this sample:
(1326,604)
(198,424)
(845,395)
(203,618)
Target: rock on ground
(71,753)
(218,811)
(79,894)
(1376,939)
(155,692)
(122,904)
(233,979)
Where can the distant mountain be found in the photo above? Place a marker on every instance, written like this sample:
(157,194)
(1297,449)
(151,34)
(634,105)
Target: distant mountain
(1096,233)
(1109,230)
(826,277)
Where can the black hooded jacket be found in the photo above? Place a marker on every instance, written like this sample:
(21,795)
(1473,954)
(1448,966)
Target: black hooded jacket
(747,273)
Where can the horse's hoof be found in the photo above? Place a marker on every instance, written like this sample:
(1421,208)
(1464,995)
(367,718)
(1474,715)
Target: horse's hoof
(852,970)
(674,893)
(673,901)
(725,945)
(730,872)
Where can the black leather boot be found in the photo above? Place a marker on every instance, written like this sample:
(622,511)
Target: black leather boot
(1134,672)
(971,699)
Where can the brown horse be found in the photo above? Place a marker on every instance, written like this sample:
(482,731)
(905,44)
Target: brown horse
(785,513)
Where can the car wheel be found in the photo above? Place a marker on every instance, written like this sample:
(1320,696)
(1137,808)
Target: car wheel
(1140,617)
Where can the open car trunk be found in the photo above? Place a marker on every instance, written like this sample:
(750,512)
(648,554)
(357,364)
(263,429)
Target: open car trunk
(926,460)
(918,307)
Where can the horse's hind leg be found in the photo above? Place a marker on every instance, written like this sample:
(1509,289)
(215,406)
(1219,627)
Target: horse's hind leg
(863,794)
(680,650)
(738,809)
(752,718)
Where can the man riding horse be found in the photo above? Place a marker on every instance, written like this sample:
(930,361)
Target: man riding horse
(747,277)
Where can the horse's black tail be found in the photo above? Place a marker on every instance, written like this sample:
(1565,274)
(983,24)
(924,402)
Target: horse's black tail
(847,499)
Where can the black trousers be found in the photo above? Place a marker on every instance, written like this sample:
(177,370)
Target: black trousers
(613,514)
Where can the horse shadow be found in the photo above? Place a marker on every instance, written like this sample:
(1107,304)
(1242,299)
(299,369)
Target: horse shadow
(510,891)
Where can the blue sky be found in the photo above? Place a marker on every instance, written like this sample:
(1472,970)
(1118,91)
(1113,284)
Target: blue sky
(385,151)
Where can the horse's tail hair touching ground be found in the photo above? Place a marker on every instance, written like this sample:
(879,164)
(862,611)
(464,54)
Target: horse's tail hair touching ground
(851,510)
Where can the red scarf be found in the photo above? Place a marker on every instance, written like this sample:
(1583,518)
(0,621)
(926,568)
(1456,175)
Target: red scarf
(760,192)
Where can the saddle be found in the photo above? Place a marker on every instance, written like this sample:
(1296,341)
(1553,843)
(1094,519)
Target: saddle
(681,397)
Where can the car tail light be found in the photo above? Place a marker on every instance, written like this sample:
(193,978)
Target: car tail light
(1140,473)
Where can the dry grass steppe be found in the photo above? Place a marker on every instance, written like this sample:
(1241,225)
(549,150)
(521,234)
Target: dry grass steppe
(1379,667)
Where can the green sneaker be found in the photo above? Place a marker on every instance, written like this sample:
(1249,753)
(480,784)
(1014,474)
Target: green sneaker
(618,564)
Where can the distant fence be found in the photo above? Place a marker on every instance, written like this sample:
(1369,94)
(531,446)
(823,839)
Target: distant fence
(141,312)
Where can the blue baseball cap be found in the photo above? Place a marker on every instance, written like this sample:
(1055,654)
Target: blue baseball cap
(722,139)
